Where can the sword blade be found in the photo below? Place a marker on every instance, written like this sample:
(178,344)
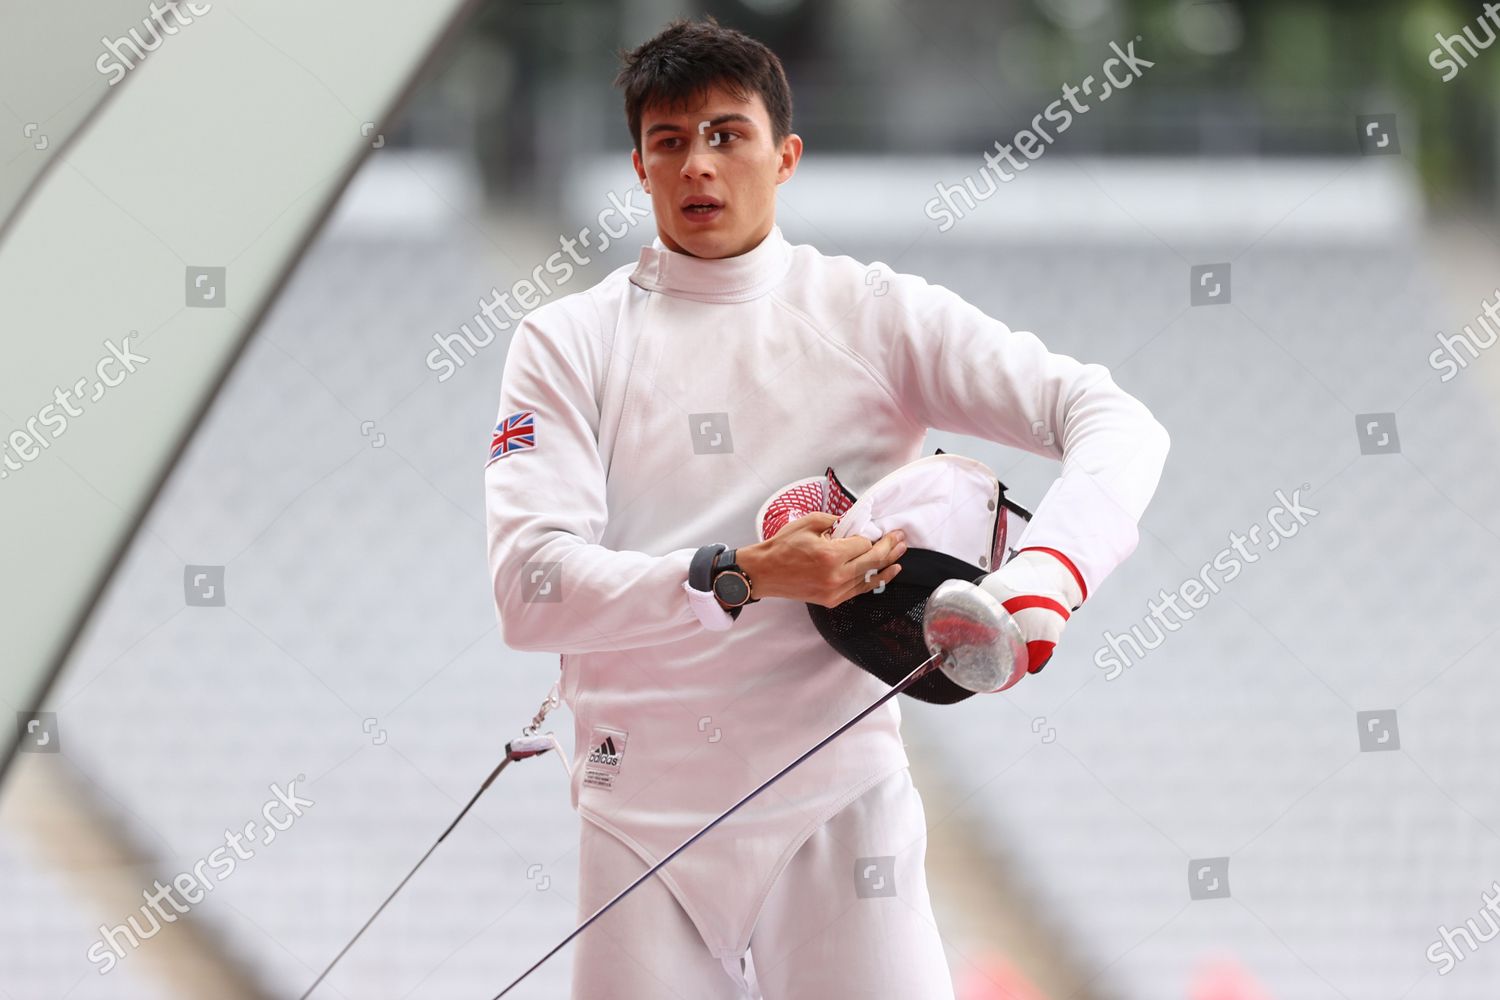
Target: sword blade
(902,685)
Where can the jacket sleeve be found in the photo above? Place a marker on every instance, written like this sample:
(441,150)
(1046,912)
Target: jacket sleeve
(556,589)
(957,369)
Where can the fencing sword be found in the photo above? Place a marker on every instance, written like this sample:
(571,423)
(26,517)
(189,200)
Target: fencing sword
(523,747)
(973,640)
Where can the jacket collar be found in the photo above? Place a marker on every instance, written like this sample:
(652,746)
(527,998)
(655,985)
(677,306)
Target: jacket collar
(723,279)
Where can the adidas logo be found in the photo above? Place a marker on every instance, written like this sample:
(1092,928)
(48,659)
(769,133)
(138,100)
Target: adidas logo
(605,753)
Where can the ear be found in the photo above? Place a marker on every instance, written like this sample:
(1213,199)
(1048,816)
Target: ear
(791,153)
(640,169)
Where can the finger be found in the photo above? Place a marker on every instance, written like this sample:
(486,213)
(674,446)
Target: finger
(852,548)
(879,555)
(818,521)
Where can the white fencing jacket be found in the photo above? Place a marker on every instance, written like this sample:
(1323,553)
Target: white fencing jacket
(654,413)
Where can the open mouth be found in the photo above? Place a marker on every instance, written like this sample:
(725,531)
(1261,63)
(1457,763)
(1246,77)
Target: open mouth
(695,207)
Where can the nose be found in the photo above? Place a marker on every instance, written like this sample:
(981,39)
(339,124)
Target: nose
(700,160)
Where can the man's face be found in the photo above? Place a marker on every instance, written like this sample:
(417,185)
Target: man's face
(720,154)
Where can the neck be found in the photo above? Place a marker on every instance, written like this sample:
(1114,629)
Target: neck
(745,247)
(734,278)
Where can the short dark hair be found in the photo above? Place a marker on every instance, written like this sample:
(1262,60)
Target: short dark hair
(687,57)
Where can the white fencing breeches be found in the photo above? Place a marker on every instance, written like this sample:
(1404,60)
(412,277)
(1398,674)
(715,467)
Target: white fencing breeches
(848,918)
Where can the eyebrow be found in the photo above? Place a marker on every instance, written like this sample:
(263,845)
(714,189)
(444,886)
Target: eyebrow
(733,116)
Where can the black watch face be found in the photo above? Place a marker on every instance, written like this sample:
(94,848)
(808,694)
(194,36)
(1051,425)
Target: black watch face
(731,588)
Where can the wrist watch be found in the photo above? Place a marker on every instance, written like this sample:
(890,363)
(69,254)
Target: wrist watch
(731,584)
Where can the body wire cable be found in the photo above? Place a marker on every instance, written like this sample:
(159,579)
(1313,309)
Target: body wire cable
(902,685)
(527,745)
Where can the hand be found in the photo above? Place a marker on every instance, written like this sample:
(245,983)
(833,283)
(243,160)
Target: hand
(801,562)
(1038,589)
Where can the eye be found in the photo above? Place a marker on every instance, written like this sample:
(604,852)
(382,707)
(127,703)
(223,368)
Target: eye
(722,138)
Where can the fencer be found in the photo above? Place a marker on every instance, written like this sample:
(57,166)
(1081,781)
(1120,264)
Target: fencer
(642,423)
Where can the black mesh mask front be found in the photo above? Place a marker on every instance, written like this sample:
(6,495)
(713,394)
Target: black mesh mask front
(882,633)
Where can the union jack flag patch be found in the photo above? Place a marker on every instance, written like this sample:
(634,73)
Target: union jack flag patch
(514,433)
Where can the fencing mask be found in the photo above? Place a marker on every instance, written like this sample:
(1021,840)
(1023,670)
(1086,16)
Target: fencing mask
(956,518)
